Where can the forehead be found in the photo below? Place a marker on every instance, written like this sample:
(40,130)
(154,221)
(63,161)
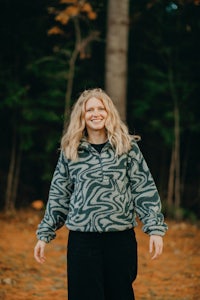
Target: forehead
(93,101)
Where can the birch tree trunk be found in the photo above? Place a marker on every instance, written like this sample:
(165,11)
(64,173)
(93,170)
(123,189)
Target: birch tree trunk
(116,53)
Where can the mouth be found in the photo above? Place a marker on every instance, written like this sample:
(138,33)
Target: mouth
(96,120)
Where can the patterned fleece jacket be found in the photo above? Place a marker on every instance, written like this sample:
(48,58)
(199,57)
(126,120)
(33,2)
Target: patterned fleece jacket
(102,192)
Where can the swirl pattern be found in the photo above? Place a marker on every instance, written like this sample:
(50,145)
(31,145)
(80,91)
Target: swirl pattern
(102,192)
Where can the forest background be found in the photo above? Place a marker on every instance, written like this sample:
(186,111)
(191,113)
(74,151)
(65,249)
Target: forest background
(52,50)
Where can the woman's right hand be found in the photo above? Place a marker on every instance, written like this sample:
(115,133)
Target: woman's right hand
(39,252)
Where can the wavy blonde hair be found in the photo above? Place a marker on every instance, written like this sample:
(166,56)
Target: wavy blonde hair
(117,131)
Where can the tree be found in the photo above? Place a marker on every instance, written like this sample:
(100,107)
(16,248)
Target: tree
(167,82)
(32,95)
(14,102)
(77,12)
(116,53)
(18,93)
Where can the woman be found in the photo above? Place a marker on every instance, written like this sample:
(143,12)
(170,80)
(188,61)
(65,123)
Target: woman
(101,182)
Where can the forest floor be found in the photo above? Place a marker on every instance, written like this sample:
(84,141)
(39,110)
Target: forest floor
(174,276)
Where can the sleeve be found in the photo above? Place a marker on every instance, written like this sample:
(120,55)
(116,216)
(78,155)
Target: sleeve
(57,207)
(145,194)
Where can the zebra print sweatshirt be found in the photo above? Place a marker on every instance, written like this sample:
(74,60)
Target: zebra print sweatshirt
(102,192)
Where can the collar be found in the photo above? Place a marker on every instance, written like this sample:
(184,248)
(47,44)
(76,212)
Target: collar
(84,144)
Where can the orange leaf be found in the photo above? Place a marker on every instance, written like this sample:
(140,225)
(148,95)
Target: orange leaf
(86,8)
(92,15)
(55,30)
(37,204)
(62,17)
(72,11)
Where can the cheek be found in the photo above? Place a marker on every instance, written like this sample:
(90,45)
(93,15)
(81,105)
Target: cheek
(106,115)
(86,117)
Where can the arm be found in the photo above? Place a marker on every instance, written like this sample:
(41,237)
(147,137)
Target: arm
(146,199)
(58,202)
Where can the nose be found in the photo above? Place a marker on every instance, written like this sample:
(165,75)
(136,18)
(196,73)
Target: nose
(95,112)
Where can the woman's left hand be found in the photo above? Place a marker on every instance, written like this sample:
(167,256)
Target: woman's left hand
(156,245)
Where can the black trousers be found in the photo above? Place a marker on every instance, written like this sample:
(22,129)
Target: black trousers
(101,266)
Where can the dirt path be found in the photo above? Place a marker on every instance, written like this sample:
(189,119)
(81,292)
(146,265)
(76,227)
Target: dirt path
(174,276)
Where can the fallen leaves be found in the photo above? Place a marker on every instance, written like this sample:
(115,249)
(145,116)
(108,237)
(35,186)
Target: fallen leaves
(174,276)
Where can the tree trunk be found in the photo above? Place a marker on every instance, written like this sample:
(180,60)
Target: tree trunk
(16,177)
(80,47)
(177,157)
(13,176)
(170,191)
(175,166)
(116,53)
(71,72)
(9,201)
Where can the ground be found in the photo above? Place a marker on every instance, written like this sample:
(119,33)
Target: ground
(174,276)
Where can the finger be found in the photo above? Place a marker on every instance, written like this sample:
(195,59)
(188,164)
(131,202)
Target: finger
(158,251)
(156,254)
(39,254)
(151,245)
(42,253)
(154,257)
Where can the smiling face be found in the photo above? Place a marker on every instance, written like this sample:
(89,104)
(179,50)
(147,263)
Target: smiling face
(95,115)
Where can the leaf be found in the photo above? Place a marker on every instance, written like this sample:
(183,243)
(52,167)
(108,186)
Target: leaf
(62,17)
(37,204)
(72,11)
(55,30)
(86,8)
(92,15)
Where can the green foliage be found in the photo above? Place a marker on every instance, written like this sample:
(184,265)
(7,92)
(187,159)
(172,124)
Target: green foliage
(15,95)
(161,72)
(180,214)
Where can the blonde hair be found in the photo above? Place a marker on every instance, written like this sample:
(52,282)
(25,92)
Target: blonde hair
(117,131)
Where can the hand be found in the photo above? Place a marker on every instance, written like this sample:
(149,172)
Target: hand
(39,252)
(156,244)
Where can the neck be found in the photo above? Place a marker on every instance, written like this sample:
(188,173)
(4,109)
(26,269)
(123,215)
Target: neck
(97,138)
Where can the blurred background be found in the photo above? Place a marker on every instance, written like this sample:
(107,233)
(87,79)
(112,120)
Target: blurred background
(145,54)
